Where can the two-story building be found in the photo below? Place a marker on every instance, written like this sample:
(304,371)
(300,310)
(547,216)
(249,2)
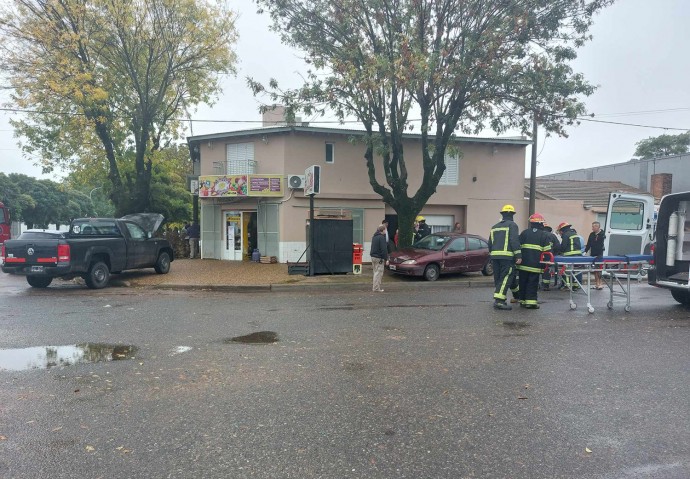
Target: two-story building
(245,200)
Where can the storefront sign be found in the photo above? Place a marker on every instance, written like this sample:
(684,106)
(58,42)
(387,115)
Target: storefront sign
(240,185)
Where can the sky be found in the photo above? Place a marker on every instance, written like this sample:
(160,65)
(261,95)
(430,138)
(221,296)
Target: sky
(638,58)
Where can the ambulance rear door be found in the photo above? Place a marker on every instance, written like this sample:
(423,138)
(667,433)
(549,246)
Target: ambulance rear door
(630,224)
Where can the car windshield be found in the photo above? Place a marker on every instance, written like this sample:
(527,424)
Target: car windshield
(432,242)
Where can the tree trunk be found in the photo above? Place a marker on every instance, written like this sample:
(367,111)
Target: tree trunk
(406,216)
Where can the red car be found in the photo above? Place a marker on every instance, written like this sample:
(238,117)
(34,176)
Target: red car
(441,253)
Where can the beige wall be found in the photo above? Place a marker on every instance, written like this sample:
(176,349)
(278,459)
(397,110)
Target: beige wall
(558,211)
(489,177)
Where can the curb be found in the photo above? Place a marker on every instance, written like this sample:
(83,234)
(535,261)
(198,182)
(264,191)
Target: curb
(281,287)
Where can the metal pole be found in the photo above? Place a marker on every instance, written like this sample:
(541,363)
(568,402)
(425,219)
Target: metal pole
(533,173)
(312,258)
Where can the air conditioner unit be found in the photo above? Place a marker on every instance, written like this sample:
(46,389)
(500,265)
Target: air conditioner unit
(296,182)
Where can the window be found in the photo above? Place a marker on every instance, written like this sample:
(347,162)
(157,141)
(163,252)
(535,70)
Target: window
(135,231)
(330,152)
(458,245)
(240,159)
(476,243)
(627,215)
(452,174)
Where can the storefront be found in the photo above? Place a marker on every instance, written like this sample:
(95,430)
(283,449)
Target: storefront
(230,211)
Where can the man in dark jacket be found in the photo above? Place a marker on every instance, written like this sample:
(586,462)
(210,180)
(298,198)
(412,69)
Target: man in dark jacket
(533,242)
(379,256)
(595,247)
(504,247)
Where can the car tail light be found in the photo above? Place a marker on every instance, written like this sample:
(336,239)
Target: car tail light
(63,253)
(653,249)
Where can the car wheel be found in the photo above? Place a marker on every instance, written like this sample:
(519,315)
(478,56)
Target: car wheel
(38,281)
(488,269)
(98,275)
(162,263)
(683,297)
(431,272)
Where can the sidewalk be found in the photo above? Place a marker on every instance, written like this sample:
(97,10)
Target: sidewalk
(209,274)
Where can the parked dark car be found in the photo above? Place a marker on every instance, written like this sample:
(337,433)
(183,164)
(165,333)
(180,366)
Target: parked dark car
(441,253)
(93,248)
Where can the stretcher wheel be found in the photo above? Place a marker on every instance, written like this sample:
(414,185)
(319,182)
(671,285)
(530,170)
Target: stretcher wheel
(609,305)
(590,309)
(573,305)
(627,308)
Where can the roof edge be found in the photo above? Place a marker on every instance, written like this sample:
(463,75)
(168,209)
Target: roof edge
(340,131)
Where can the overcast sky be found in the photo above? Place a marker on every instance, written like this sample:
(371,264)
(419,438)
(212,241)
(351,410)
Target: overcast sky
(638,57)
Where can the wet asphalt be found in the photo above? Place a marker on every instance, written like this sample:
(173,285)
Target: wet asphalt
(411,383)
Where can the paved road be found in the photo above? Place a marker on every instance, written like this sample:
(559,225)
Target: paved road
(423,383)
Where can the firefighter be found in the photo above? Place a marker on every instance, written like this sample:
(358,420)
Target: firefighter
(504,245)
(571,245)
(533,242)
(424,229)
(551,269)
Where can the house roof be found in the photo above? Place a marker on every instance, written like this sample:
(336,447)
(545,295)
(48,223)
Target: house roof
(275,130)
(593,194)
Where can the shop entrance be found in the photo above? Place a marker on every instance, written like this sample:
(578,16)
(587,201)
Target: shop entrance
(239,235)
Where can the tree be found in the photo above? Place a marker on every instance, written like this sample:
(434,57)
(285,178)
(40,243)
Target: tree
(102,77)
(663,145)
(456,65)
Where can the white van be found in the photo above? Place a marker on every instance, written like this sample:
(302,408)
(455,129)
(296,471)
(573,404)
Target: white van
(672,248)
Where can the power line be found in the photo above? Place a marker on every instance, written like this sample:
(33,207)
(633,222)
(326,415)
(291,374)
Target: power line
(15,110)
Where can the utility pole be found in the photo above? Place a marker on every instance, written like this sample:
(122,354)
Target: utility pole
(533,173)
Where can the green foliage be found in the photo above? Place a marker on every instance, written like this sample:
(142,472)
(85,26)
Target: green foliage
(663,145)
(107,77)
(41,202)
(459,66)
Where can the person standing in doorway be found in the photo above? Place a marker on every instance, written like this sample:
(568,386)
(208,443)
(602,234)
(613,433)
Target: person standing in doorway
(504,245)
(595,247)
(379,256)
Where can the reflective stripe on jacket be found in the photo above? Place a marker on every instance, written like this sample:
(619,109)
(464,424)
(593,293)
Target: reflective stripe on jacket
(570,243)
(534,241)
(504,241)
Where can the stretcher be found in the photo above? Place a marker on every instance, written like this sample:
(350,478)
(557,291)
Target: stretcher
(572,268)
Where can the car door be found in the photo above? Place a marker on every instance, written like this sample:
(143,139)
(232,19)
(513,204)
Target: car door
(139,251)
(477,253)
(455,256)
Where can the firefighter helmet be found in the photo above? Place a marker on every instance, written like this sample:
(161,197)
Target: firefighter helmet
(536,218)
(562,225)
(420,218)
(508,209)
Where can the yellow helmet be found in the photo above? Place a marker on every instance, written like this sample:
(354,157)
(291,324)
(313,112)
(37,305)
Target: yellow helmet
(420,218)
(508,209)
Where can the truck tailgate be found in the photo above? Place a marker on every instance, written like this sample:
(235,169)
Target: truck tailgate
(33,252)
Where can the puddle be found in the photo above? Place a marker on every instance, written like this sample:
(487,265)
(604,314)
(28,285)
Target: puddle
(181,349)
(46,357)
(515,325)
(260,337)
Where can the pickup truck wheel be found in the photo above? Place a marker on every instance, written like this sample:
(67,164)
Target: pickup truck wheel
(683,297)
(98,275)
(38,281)
(162,263)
